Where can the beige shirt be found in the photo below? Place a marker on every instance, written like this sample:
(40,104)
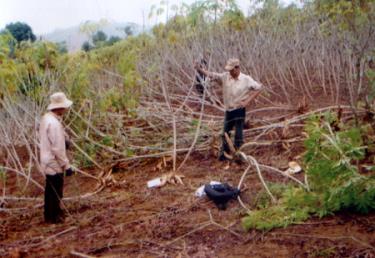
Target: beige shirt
(53,156)
(235,91)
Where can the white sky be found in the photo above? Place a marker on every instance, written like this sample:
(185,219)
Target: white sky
(47,15)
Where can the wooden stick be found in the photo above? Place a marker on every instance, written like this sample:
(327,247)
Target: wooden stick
(255,162)
(78,254)
(285,175)
(23,175)
(196,135)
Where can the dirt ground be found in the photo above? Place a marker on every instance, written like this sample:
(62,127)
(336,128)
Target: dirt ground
(133,221)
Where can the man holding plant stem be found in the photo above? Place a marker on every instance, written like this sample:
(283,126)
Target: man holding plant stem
(53,159)
(238,91)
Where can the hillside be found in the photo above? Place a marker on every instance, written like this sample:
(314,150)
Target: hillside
(74,37)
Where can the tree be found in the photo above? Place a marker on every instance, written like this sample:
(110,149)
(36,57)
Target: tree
(355,23)
(62,47)
(21,31)
(128,30)
(8,42)
(99,36)
(195,13)
(233,19)
(86,46)
(112,40)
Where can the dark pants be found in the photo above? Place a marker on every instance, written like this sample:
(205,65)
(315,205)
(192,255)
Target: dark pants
(200,88)
(234,118)
(52,195)
(199,83)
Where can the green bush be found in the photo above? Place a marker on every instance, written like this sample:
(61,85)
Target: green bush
(331,166)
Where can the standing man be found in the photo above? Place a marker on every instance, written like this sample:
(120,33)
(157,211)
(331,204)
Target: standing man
(53,158)
(238,91)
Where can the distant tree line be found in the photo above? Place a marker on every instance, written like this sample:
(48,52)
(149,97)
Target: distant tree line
(100,39)
(21,31)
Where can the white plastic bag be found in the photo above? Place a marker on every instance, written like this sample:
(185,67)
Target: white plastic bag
(200,191)
(154,182)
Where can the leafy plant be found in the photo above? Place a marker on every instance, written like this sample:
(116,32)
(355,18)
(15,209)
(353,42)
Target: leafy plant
(275,216)
(330,161)
(90,150)
(263,199)
(107,140)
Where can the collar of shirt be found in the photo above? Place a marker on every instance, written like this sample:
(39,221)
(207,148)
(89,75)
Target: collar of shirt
(235,79)
(56,116)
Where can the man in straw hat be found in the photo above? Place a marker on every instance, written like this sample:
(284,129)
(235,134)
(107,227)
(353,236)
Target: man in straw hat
(238,91)
(53,158)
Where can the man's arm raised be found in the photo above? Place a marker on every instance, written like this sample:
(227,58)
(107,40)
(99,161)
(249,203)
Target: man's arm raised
(211,75)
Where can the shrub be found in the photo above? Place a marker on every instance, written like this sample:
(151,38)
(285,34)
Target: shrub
(331,166)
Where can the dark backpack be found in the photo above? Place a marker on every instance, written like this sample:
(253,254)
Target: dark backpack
(220,194)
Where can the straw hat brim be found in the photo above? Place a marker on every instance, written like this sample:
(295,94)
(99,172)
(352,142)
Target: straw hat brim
(231,64)
(229,67)
(66,104)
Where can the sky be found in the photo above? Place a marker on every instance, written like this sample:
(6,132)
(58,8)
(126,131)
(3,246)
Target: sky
(45,16)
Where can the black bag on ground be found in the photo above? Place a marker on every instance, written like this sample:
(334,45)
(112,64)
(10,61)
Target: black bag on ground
(220,194)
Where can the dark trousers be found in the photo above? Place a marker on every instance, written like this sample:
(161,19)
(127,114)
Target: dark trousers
(200,88)
(199,83)
(52,196)
(234,118)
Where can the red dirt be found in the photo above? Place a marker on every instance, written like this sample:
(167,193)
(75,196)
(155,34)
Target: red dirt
(133,221)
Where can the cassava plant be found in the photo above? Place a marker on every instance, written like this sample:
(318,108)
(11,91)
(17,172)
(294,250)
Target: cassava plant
(332,163)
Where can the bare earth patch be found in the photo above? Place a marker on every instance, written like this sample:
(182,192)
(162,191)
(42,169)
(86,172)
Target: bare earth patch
(133,221)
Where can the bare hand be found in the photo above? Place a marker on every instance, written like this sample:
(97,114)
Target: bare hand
(197,66)
(68,144)
(244,103)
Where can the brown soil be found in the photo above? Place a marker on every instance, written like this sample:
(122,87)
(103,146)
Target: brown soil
(133,221)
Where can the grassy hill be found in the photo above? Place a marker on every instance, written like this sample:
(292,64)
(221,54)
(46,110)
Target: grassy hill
(74,37)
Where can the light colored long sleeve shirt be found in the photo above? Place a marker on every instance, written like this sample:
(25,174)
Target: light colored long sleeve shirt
(53,156)
(235,91)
